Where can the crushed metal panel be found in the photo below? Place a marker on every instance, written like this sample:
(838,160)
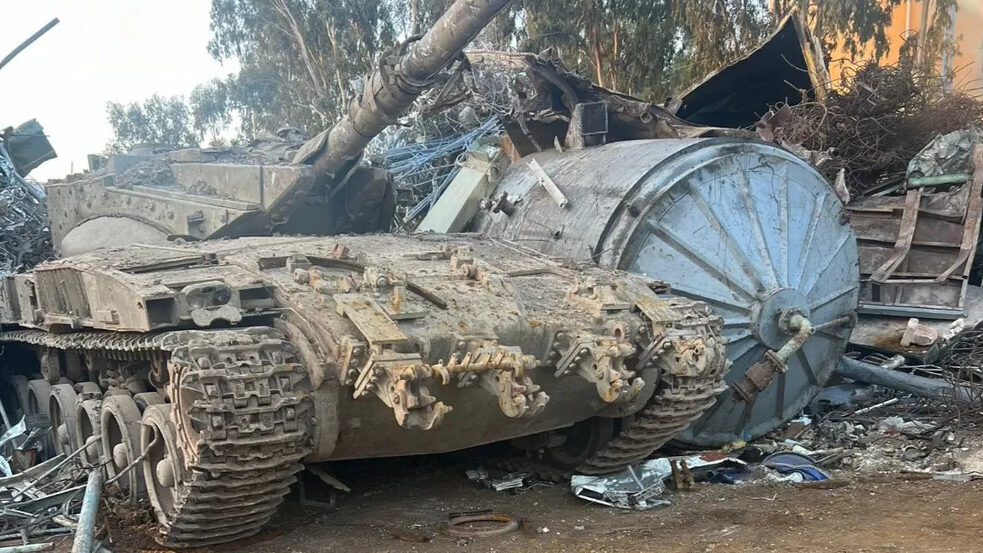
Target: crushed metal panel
(543,118)
(784,67)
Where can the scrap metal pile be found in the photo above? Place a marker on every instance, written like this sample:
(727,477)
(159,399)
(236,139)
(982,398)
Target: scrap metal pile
(44,495)
(25,239)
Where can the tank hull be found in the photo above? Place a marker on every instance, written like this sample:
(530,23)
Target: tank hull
(519,301)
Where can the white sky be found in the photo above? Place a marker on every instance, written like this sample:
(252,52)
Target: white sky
(122,50)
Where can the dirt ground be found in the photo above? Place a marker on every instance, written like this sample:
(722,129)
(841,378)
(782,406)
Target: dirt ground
(875,514)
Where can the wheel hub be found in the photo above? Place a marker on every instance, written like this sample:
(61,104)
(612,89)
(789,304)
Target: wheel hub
(767,314)
(121,457)
(165,472)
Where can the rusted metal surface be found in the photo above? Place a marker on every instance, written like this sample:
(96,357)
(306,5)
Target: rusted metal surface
(463,525)
(558,103)
(909,217)
(342,348)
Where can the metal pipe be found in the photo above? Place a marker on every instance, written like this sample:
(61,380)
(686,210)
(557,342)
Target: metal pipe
(803,330)
(87,516)
(30,40)
(929,388)
(760,375)
(28,548)
(546,182)
(937,180)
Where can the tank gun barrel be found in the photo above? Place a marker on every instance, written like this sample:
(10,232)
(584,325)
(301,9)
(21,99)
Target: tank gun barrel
(393,86)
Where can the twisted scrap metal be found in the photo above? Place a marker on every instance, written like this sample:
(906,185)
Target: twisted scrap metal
(25,239)
(423,155)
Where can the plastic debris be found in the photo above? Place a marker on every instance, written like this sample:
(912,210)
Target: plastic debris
(787,462)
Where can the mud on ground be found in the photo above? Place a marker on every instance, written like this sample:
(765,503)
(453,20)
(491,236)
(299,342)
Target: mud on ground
(410,498)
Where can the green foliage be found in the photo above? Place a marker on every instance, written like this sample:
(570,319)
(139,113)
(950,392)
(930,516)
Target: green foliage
(210,109)
(158,120)
(300,60)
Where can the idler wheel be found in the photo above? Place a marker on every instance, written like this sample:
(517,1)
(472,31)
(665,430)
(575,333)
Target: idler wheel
(61,408)
(120,429)
(88,423)
(163,466)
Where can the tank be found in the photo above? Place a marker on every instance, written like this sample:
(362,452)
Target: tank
(205,374)
(217,370)
(743,226)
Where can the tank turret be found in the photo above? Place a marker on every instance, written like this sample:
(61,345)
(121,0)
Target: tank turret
(320,187)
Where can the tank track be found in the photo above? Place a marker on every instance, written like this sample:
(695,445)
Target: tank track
(677,402)
(240,415)
(243,435)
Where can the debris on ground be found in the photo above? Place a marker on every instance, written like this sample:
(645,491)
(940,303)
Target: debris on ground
(43,495)
(897,428)
(641,486)
(480,525)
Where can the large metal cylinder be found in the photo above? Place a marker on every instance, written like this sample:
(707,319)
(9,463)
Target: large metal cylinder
(745,226)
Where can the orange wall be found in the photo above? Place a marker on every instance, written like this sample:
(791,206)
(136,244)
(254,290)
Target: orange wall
(969,39)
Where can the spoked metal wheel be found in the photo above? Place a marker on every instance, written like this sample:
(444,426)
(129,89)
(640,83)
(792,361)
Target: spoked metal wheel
(756,234)
(120,428)
(61,409)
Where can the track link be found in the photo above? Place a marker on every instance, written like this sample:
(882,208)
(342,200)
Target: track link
(678,401)
(238,423)
(241,416)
